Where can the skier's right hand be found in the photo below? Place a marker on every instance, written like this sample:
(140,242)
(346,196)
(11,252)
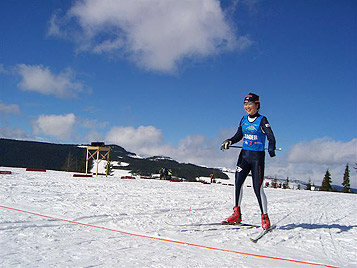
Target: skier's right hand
(271,153)
(226,144)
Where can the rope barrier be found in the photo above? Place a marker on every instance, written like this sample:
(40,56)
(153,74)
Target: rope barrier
(169,240)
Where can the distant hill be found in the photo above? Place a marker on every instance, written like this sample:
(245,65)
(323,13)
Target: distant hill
(71,157)
(15,153)
(152,165)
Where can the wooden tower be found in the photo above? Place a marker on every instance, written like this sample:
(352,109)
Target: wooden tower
(98,152)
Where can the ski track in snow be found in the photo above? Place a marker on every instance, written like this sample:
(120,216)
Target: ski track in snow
(312,226)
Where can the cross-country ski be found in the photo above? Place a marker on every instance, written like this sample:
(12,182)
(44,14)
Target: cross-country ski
(217,224)
(262,233)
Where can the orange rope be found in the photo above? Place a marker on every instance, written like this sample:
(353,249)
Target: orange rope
(169,240)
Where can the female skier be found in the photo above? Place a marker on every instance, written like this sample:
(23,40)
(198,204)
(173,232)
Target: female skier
(253,129)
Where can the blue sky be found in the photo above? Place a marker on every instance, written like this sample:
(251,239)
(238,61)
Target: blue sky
(161,77)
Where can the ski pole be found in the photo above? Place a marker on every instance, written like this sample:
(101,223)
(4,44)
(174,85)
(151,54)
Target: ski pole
(266,149)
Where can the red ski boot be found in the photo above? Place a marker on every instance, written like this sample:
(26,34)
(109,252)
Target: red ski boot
(265,221)
(235,218)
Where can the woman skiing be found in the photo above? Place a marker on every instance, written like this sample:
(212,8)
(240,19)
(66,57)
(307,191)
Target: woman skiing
(253,129)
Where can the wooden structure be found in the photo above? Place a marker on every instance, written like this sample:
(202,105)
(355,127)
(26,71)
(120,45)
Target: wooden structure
(98,152)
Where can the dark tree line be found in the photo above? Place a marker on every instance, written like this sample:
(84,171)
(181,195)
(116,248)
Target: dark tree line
(30,154)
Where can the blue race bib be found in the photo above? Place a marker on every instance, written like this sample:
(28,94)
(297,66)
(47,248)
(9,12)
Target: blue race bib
(253,136)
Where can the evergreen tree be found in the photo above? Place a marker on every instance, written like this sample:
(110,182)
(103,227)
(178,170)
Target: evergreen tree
(287,186)
(109,167)
(346,180)
(68,164)
(82,163)
(326,183)
(308,186)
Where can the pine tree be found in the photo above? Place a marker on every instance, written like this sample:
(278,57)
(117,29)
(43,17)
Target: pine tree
(68,164)
(109,166)
(326,183)
(308,186)
(287,186)
(346,180)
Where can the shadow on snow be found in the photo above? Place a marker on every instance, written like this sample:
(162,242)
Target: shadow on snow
(342,228)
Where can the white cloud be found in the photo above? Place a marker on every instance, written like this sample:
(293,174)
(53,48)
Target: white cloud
(94,136)
(303,161)
(281,168)
(6,109)
(155,34)
(92,123)
(324,151)
(137,140)
(13,133)
(40,79)
(148,141)
(311,159)
(58,126)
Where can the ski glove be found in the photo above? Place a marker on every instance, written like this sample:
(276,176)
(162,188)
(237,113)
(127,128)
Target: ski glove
(271,153)
(271,149)
(226,144)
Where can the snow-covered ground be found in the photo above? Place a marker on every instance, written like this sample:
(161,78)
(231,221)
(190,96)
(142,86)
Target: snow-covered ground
(315,227)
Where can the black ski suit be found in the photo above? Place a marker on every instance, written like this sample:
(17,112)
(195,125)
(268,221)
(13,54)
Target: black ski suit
(253,158)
